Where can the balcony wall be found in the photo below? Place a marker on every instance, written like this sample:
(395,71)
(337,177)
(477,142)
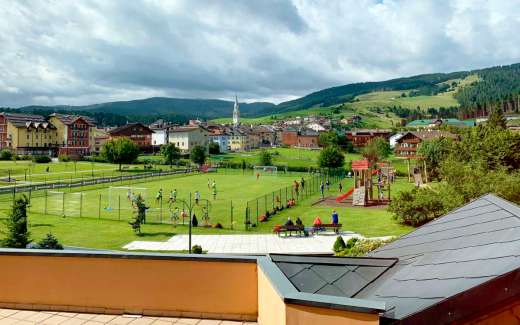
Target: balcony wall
(148,284)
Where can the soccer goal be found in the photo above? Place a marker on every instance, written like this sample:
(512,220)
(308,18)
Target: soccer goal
(265,170)
(55,203)
(73,204)
(121,197)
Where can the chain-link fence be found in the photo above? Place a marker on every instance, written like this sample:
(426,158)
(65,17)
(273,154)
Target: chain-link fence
(267,204)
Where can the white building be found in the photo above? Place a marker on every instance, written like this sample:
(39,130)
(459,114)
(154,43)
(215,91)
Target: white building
(236,112)
(160,136)
(316,127)
(393,139)
(186,137)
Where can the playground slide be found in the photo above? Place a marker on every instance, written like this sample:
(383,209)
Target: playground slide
(345,195)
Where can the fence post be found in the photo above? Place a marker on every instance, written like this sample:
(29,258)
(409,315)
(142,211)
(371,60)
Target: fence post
(63,204)
(231,210)
(45,211)
(99,207)
(273,201)
(80,204)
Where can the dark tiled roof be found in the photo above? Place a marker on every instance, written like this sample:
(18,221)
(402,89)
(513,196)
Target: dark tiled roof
(69,119)
(119,129)
(461,250)
(434,274)
(333,276)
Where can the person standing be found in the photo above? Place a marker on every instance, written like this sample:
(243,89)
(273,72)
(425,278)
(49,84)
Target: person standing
(340,187)
(335,217)
(302,182)
(197,197)
(322,189)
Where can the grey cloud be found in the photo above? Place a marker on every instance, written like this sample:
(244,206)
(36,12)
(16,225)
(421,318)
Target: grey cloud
(81,52)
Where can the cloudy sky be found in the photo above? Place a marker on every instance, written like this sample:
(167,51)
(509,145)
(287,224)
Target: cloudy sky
(83,52)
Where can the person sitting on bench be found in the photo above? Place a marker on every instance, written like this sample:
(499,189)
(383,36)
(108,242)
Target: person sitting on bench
(317,222)
(299,222)
(289,222)
(335,217)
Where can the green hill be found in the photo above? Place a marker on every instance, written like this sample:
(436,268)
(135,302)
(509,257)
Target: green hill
(381,104)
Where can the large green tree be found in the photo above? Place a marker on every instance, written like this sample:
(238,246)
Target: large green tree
(331,157)
(120,151)
(265,158)
(329,138)
(16,223)
(434,152)
(497,119)
(170,153)
(377,149)
(198,155)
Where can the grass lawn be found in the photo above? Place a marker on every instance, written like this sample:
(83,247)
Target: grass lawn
(293,157)
(369,222)
(105,203)
(26,171)
(113,234)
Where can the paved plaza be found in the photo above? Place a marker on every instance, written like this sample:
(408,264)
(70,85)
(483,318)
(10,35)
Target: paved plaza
(246,244)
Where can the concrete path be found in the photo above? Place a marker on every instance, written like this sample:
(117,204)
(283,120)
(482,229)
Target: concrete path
(246,244)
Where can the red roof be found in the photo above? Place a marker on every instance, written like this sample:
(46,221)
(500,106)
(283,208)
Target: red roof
(360,164)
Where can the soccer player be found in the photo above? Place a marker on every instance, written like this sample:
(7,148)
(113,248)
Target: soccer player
(129,195)
(158,196)
(197,197)
(257,176)
(214,190)
(173,196)
(175,216)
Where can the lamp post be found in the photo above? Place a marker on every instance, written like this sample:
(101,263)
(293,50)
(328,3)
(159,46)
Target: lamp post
(189,205)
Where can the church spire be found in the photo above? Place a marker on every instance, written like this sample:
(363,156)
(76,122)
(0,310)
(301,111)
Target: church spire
(236,112)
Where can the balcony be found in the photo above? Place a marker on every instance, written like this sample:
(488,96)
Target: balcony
(238,288)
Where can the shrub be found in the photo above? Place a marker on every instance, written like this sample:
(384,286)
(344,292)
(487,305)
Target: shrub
(41,159)
(64,158)
(197,249)
(360,247)
(6,154)
(49,242)
(17,235)
(420,205)
(339,245)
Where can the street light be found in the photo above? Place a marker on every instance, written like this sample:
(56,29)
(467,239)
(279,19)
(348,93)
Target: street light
(190,206)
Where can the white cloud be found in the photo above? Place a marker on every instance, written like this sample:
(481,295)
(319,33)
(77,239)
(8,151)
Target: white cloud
(82,52)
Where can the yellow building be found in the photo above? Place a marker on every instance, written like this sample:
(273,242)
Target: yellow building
(238,141)
(28,134)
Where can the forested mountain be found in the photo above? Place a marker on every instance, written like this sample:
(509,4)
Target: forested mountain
(341,94)
(187,108)
(493,87)
(497,87)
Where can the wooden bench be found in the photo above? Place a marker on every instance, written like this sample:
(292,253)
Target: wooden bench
(326,226)
(289,229)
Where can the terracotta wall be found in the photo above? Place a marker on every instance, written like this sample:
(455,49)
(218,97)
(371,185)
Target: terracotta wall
(272,310)
(174,287)
(306,315)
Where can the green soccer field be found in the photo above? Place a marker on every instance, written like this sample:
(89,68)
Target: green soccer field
(27,172)
(112,202)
